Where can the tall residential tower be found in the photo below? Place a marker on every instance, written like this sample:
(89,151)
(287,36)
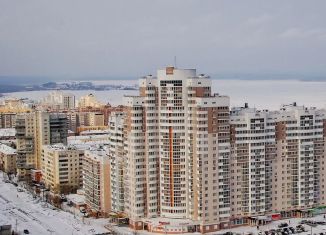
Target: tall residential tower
(177,151)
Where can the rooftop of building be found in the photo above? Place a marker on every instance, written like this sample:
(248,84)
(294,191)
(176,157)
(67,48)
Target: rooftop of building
(7,149)
(7,132)
(97,153)
(94,132)
(60,147)
(82,139)
(286,112)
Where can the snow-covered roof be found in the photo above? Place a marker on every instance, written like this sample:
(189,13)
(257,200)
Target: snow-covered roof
(7,132)
(76,198)
(94,132)
(6,149)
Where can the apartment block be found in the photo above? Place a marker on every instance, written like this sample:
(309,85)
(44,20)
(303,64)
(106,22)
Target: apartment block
(62,168)
(58,100)
(25,140)
(176,152)
(89,101)
(117,161)
(33,130)
(253,147)
(96,181)
(277,162)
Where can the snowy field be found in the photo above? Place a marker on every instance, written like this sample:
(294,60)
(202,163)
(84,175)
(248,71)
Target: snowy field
(263,94)
(19,208)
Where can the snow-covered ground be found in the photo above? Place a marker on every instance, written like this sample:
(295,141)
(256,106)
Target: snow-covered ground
(21,210)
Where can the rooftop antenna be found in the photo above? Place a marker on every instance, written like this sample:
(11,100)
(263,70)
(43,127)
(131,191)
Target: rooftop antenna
(175,61)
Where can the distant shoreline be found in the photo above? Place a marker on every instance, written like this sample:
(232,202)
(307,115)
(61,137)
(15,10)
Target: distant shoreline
(113,84)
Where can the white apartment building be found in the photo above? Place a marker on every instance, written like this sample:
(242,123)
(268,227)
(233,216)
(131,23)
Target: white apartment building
(96,181)
(62,168)
(253,148)
(117,161)
(59,100)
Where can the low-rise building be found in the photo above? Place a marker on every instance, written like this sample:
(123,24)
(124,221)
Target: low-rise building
(62,168)
(7,159)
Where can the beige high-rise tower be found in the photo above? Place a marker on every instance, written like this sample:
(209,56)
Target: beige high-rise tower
(177,149)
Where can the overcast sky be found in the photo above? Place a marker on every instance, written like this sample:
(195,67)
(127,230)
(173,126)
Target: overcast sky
(130,38)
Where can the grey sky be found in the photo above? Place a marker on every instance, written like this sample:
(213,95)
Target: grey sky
(131,38)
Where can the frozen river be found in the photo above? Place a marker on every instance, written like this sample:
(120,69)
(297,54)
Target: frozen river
(263,94)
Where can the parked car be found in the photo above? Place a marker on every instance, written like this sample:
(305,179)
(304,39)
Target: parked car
(63,198)
(82,209)
(292,229)
(321,222)
(20,190)
(26,231)
(283,225)
(300,228)
(228,233)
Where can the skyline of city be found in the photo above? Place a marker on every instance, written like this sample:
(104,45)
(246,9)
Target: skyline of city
(176,158)
(162,117)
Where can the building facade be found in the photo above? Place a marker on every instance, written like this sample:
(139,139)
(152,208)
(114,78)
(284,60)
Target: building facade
(7,159)
(277,162)
(58,100)
(117,161)
(62,168)
(7,120)
(177,151)
(96,181)
(33,130)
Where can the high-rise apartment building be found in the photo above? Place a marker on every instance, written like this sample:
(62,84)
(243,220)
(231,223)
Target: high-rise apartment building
(33,130)
(277,161)
(177,151)
(253,148)
(117,161)
(96,181)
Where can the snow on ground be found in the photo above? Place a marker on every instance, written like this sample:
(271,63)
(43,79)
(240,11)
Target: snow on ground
(274,225)
(19,208)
